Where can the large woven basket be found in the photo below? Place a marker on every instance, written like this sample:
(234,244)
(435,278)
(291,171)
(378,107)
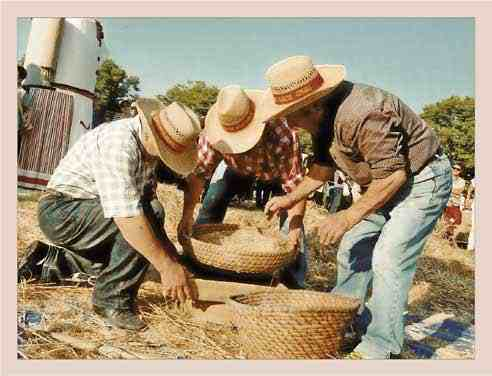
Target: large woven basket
(254,258)
(292,324)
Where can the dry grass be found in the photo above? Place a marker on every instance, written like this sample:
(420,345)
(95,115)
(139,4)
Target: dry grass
(444,282)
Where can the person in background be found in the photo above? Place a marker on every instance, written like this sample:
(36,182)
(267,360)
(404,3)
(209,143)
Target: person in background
(24,103)
(470,202)
(333,192)
(133,109)
(452,213)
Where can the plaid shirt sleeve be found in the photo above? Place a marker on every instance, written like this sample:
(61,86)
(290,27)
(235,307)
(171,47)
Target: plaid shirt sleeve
(208,159)
(115,177)
(289,149)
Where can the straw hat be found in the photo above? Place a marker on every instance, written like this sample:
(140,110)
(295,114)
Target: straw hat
(233,124)
(295,82)
(175,130)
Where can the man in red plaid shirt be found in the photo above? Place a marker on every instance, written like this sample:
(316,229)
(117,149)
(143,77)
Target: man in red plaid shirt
(236,147)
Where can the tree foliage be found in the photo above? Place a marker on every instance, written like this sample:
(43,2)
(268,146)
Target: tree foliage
(454,120)
(112,86)
(197,95)
(305,141)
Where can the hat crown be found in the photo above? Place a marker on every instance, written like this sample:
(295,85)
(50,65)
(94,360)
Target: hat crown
(180,123)
(233,105)
(291,74)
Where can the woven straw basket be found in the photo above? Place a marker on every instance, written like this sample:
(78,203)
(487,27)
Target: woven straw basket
(215,246)
(292,324)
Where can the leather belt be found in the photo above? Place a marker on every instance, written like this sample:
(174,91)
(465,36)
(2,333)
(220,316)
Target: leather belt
(49,193)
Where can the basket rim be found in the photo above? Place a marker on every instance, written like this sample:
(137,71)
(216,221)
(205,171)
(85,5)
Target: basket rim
(276,252)
(353,303)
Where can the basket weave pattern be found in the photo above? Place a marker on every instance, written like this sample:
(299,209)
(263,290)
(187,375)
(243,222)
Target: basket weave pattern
(292,324)
(240,259)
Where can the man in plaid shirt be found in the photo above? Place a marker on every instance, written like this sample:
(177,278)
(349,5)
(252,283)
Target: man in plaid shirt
(101,209)
(268,152)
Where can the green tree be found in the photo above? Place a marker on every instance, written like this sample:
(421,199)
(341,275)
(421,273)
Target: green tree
(306,141)
(112,86)
(454,120)
(197,95)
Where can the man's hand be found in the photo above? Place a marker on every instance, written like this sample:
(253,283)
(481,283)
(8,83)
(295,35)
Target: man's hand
(277,204)
(332,229)
(176,284)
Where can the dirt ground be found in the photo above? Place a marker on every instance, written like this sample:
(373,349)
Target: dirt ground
(64,327)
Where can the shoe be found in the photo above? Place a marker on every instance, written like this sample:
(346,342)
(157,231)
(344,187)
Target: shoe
(123,319)
(30,265)
(351,339)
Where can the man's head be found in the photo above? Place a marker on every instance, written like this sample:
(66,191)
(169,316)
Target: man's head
(457,169)
(21,74)
(308,117)
(296,87)
(170,133)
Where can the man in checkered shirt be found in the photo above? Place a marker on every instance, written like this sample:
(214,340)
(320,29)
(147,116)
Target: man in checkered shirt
(101,208)
(234,149)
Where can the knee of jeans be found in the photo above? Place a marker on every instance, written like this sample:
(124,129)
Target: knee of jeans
(385,264)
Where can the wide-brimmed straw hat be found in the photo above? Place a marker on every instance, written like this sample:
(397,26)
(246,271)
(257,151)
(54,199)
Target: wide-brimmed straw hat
(175,130)
(295,83)
(234,124)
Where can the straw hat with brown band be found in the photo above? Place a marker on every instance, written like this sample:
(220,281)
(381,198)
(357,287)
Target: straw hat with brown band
(233,124)
(295,83)
(175,130)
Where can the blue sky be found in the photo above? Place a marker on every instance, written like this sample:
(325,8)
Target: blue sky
(422,60)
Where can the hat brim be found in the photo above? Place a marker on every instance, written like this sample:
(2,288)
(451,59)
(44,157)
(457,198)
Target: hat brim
(332,75)
(182,163)
(242,140)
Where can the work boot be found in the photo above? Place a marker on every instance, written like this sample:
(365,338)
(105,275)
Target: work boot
(30,265)
(120,318)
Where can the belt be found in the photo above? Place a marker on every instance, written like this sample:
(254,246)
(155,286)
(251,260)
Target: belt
(50,193)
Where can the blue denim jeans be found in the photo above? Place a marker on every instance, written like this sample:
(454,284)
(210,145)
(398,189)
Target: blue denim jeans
(383,250)
(225,184)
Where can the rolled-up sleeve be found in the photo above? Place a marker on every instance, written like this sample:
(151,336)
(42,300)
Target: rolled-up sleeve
(380,141)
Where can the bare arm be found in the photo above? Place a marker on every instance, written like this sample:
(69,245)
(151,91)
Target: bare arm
(316,177)
(193,190)
(138,232)
(379,192)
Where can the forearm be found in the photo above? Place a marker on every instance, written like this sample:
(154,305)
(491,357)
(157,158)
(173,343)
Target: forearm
(137,231)
(296,215)
(192,192)
(379,192)
(316,177)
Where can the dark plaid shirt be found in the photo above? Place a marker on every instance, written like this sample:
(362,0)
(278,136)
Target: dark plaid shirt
(370,133)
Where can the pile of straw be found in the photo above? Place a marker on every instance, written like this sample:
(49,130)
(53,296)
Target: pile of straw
(444,282)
